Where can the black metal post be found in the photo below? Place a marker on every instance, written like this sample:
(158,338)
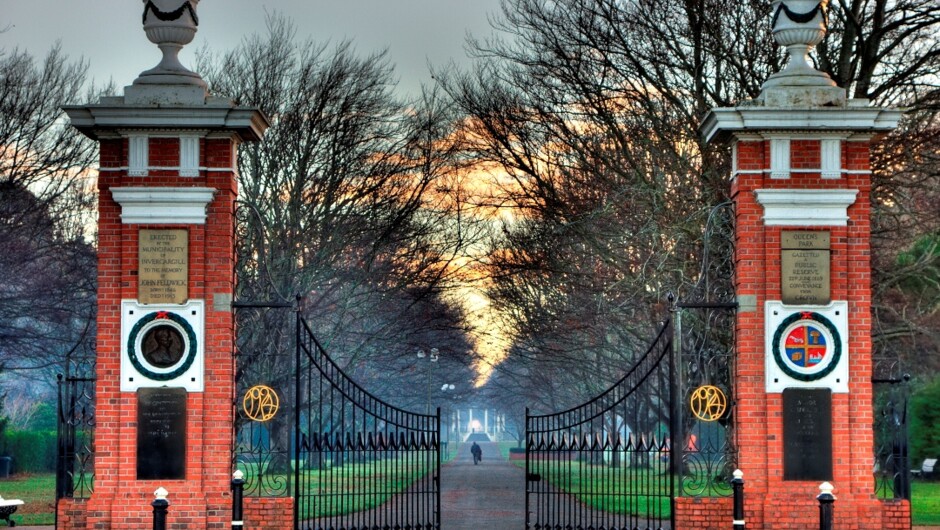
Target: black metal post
(298,380)
(238,488)
(826,499)
(63,483)
(437,477)
(160,506)
(737,486)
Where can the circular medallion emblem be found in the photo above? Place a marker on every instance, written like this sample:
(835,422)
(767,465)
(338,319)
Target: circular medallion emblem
(161,345)
(807,346)
(260,403)
(708,403)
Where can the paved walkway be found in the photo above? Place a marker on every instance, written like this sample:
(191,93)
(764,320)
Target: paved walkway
(490,495)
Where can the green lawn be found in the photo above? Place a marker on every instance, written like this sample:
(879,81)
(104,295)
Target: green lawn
(504,449)
(925,502)
(37,491)
(375,482)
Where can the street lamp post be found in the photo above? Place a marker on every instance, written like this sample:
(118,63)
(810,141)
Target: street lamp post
(447,387)
(435,355)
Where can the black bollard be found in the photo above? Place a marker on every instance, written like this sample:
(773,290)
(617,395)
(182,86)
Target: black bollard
(238,487)
(737,486)
(160,506)
(825,498)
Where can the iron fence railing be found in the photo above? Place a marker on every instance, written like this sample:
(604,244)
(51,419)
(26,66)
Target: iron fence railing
(360,462)
(607,463)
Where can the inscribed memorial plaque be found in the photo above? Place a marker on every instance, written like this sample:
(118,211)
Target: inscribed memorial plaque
(163,266)
(161,433)
(804,268)
(807,434)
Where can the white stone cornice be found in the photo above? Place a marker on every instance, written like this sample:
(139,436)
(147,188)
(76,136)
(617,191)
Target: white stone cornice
(140,205)
(788,207)
(113,115)
(163,133)
(757,119)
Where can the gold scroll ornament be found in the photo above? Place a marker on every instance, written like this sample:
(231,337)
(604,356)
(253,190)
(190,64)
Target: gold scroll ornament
(708,403)
(260,403)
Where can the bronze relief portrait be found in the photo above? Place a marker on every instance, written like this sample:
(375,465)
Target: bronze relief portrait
(163,346)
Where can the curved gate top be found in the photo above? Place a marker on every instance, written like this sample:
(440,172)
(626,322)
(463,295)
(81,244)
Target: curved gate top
(607,463)
(663,430)
(361,462)
(349,459)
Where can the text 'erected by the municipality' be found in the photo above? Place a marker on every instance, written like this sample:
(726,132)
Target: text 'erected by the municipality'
(163,266)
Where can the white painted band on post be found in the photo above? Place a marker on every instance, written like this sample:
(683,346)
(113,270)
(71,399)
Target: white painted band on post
(738,522)
(238,523)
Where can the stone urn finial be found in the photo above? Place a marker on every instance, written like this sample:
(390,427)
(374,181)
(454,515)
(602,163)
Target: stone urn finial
(799,25)
(170,24)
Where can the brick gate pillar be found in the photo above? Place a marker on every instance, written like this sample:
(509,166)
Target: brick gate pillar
(801,185)
(165,374)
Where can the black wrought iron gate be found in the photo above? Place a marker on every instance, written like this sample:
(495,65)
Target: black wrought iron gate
(606,464)
(350,460)
(664,430)
(305,429)
(362,464)
(75,413)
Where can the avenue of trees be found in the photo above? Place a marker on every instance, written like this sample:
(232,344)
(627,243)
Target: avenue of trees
(350,200)
(590,110)
(583,114)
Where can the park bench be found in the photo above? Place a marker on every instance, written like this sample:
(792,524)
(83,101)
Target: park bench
(7,508)
(926,469)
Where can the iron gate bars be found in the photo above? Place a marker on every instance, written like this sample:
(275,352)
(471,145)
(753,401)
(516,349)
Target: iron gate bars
(606,464)
(75,457)
(705,350)
(704,342)
(75,412)
(361,463)
(892,457)
(264,363)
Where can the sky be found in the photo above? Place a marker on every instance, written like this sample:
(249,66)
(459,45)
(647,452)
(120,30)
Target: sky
(108,33)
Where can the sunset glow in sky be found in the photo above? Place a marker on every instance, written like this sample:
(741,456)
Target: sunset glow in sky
(418,34)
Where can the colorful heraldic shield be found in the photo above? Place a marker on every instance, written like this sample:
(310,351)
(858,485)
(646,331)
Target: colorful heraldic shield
(807,346)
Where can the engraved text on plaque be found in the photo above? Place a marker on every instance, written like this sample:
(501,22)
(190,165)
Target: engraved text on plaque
(163,267)
(161,433)
(804,268)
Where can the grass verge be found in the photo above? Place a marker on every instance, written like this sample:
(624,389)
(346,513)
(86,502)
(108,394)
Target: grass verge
(925,502)
(37,491)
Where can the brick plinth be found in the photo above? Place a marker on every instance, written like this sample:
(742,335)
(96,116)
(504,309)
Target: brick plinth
(703,513)
(896,515)
(72,514)
(275,513)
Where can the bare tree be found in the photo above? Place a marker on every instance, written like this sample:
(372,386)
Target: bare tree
(47,268)
(591,109)
(350,195)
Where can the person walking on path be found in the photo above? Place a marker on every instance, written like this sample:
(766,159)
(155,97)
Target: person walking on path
(491,496)
(477,453)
